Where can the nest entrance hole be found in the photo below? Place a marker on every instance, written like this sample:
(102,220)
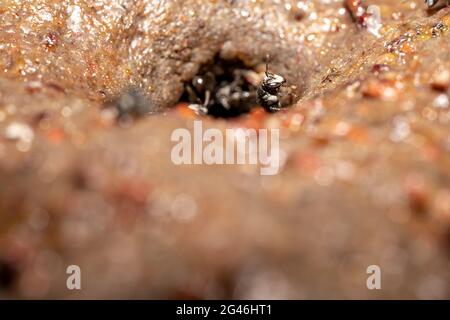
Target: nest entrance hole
(222,89)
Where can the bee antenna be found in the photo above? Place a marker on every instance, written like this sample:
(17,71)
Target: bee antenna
(207,98)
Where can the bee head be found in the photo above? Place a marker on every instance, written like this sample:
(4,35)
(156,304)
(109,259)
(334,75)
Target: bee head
(431,3)
(273,81)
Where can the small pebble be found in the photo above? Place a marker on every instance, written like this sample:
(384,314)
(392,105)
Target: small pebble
(19,131)
(441,101)
(441,80)
(380,90)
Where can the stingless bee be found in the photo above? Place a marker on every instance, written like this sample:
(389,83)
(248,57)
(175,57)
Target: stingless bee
(201,85)
(269,91)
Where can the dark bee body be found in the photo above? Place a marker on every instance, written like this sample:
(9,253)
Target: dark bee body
(269,91)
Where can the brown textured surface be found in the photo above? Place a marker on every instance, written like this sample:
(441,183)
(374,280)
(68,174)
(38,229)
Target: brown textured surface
(365,181)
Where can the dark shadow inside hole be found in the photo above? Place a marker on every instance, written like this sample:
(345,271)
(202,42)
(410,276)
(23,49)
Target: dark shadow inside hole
(8,274)
(222,89)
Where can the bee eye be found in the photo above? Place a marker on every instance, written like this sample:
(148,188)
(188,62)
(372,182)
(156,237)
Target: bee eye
(199,83)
